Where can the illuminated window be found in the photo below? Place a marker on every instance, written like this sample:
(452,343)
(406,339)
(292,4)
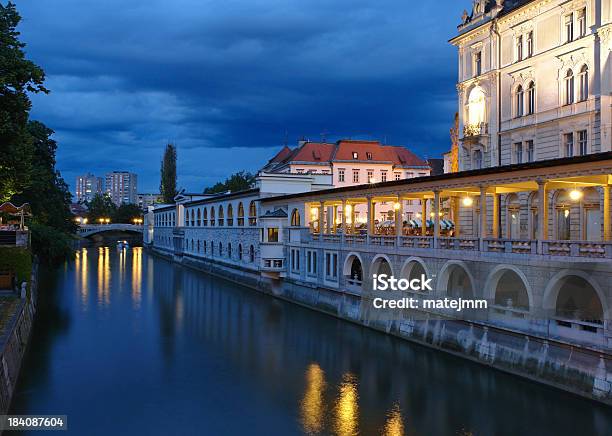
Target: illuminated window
(519,103)
(355,155)
(569,87)
(568,144)
(531,98)
(530,44)
(582,22)
(569,27)
(273,234)
(582,142)
(584,83)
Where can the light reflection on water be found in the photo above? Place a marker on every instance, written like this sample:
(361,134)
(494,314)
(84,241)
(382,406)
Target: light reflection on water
(205,350)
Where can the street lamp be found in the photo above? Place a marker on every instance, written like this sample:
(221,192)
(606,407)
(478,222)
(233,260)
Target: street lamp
(575,194)
(467,201)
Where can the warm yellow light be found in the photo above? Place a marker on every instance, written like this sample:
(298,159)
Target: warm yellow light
(441,214)
(431,214)
(566,213)
(78,219)
(314,212)
(348,210)
(84,220)
(396,206)
(575,194)
(467,201)
(372,180)
(418,215)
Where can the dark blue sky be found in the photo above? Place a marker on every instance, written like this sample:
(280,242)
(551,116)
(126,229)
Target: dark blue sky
(225,79)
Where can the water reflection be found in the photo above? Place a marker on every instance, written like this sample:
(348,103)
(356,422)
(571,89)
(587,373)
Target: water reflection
(204,350)
(313,403)
(347,409)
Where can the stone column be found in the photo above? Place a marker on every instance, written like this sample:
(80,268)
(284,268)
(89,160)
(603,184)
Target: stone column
(456,210)
(371,211)
(483,217)
(542,214)
(343,218)
(483,212)
(436,217)
(320,209)
(607,232)
(399,213)
(423,216)
(334,221)
(496,229)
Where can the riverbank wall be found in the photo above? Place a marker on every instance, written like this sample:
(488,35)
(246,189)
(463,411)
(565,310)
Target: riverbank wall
(580,370)
(15,341)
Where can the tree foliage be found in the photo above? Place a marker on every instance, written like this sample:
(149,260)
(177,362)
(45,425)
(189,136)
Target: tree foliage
(236,182)
(27,152)
(167,185)
(126,213)
(101,206)
(18,77)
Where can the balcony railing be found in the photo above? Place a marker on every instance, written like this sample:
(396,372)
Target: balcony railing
(475,129)
(15,238)
(583,249)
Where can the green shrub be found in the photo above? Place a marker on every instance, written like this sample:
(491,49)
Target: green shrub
(18,260)
(50,245)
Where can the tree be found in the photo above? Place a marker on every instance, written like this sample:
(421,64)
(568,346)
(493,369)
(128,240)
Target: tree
(167,185)
(236,182)
(126,213)
(18,77)
(101,206)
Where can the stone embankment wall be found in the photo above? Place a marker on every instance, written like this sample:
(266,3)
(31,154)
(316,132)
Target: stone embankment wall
(14,343)
(583,371)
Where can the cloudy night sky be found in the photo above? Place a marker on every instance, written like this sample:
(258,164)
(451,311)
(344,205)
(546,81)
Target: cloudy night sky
(229,80)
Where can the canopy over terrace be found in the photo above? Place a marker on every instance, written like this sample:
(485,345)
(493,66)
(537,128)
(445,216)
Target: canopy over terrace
(453,195)
(20,211)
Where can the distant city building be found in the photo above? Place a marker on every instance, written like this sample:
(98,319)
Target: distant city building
(122,187)
(87,186)
(145,200)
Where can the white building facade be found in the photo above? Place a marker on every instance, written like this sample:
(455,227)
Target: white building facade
(535,81)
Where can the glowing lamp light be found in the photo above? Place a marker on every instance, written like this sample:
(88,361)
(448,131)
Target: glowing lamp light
(418,215)
(396,206)
(348,210)
(314,212)
(467,201)
(566,213)
(575,194)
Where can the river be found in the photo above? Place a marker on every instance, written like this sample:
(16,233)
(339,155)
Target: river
(128,343)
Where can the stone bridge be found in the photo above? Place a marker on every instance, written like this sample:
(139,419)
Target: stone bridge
(93,229)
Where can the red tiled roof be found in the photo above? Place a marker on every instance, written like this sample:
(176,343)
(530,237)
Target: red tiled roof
(313,152)
(281,155)
(343,151)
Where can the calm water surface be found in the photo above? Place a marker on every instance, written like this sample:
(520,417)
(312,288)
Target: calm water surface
(128,343)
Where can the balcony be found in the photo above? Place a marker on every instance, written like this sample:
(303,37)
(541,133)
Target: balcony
(474,130)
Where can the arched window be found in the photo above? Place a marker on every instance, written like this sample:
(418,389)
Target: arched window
(476,107)
(212,216)
(229,250)
(295,218)
(239,251)
(198,245)
(220,248)
(240,214)
(212,248)
(205,221)
(584,83)
(252,254)
(192,218)
(221,216)
(477,159)
(569,87)
(252,214)
(230,215)
(593,216)
(533,215)
(531,98)
(199,218)
(519,101)
(563,207)
(204,244)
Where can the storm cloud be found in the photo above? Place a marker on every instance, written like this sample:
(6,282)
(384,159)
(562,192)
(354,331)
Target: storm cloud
(230,81)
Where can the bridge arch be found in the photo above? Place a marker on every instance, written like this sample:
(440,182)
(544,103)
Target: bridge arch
(455,280)
(353,270)
(508,286)
(413,268)
(575,295)
(381,264)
